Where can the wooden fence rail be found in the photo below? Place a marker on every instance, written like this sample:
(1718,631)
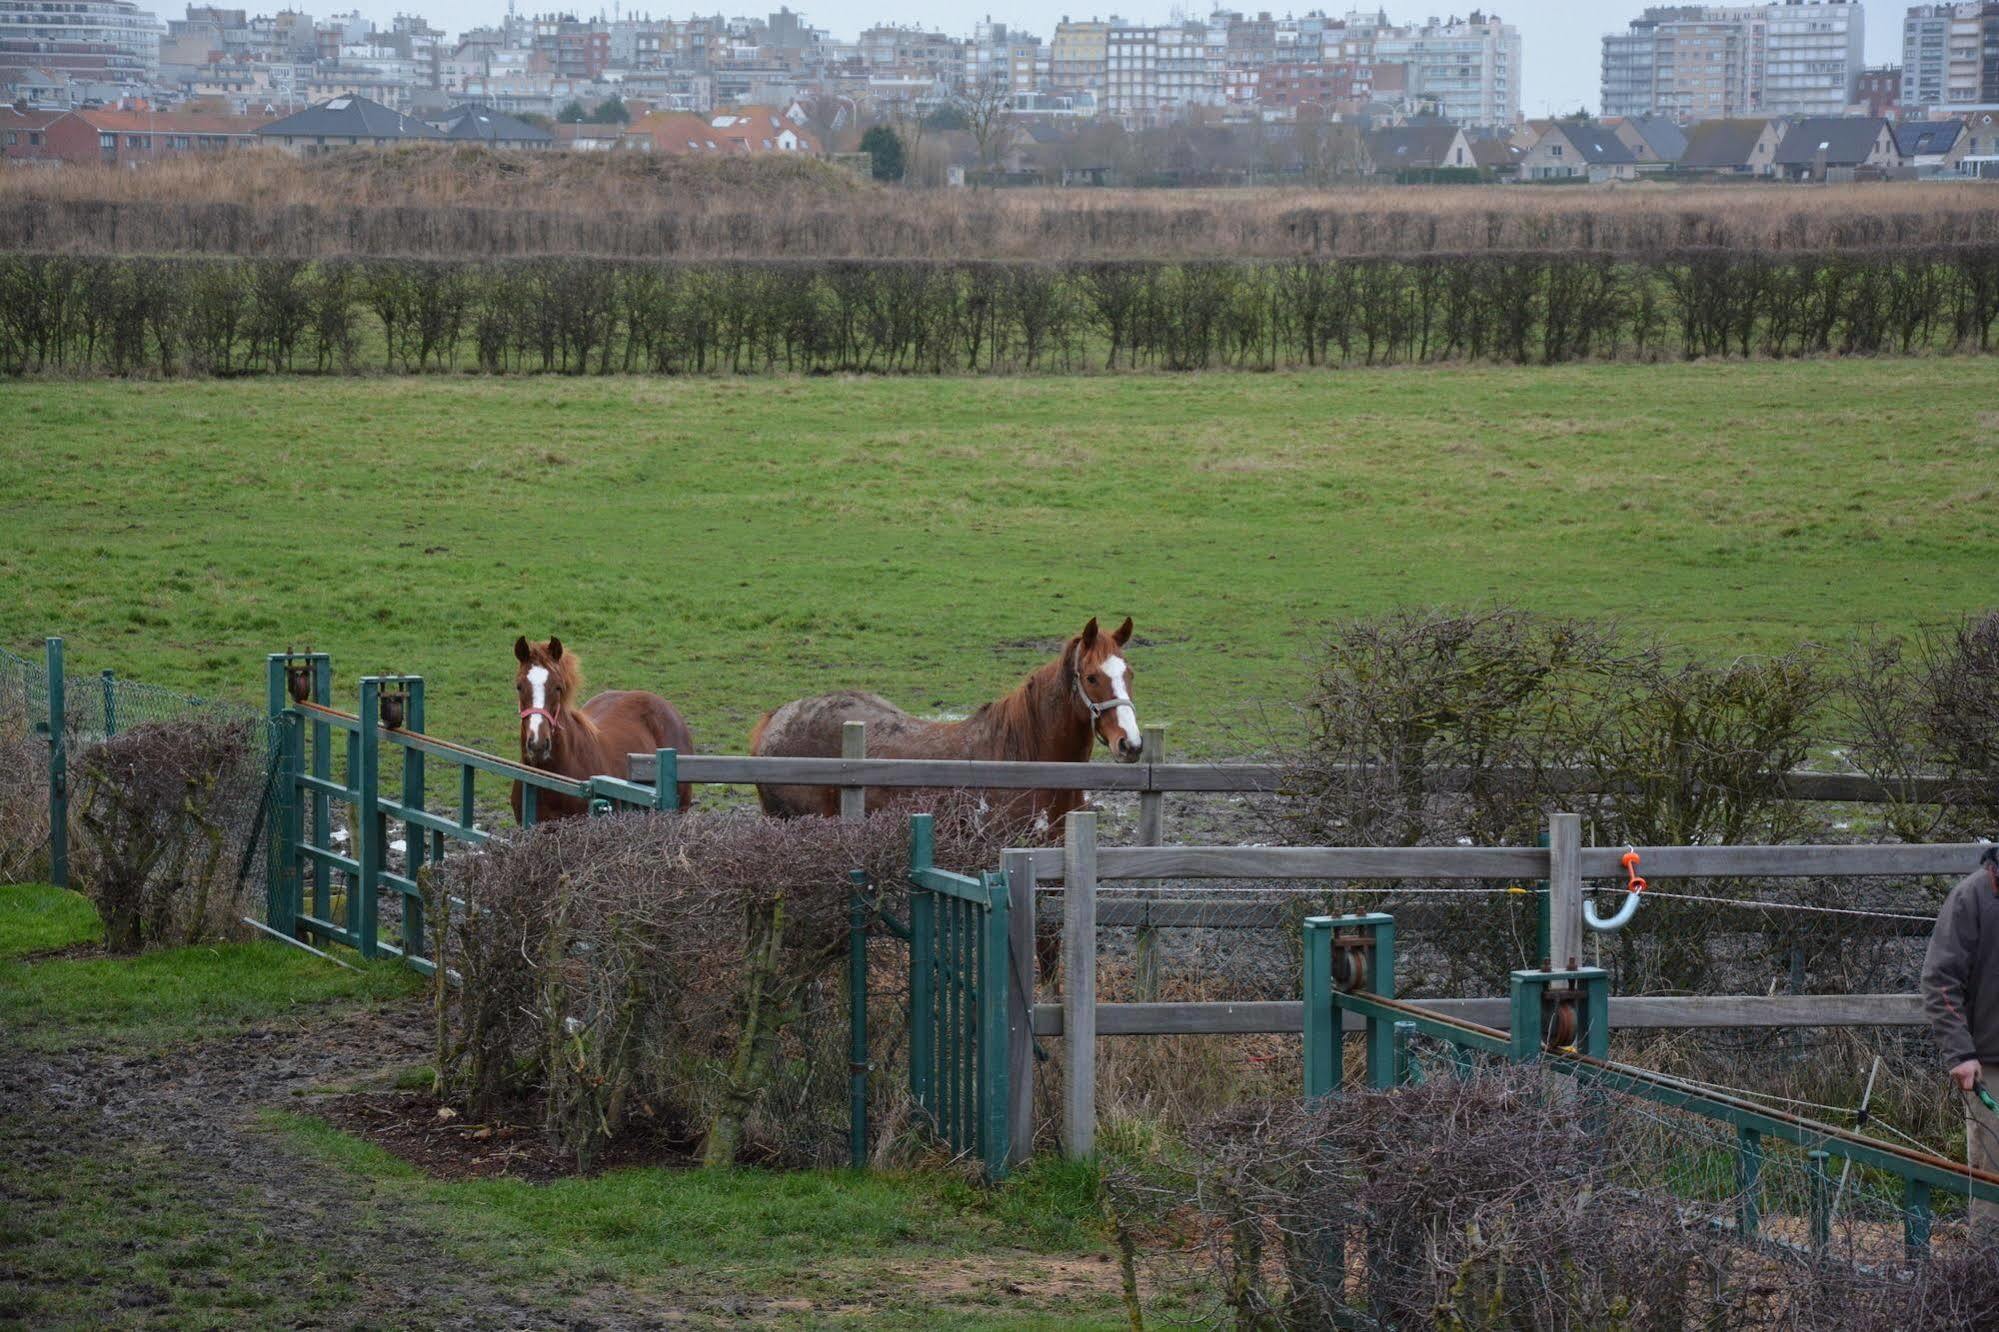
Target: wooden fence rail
(1080,867)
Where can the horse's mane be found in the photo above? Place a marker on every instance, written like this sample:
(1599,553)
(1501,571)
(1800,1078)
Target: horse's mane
(1016,719)
(566,673)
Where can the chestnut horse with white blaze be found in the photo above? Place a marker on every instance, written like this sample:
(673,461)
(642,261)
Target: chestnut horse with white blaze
(1081,697)
(592,739)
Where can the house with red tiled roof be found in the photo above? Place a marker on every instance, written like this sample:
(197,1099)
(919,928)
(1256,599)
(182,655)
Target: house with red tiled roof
(129,138)
(745,132)
(24,134)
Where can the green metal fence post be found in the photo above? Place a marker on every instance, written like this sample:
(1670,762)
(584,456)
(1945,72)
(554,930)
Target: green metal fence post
(1748,1180)
(666,779)
(857,1016)
(1819,1181)
(922,962)
(1916,1218)
(322,803)
(110,682)
(363,909)
(413,834)
(281,876)
(995,1139)
(1322,1019)
(1380,1034)
(58,768)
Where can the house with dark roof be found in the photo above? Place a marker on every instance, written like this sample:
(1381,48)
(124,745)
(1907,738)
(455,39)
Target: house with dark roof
(479,124)
(1734,147)
(1498,158)
(346,122)
(1932,147)
(1655,142)
(1831,147)
(1577,150)
(1419,146)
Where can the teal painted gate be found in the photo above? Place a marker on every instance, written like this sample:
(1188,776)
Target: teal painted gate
(958,952)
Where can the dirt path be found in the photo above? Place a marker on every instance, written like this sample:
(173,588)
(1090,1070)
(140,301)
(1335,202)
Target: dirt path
(143,1187)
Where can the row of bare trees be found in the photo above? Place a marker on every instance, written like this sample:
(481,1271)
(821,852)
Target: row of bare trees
(583,316)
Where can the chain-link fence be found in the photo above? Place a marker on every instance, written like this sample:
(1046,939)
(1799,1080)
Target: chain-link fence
(154,802)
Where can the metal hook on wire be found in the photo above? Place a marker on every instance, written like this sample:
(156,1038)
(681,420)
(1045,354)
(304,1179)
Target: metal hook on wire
(1634,885)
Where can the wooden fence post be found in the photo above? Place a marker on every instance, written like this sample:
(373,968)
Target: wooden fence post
(1151,832)
(1019,866)
(853,745)
(1565,891)
(1079,984)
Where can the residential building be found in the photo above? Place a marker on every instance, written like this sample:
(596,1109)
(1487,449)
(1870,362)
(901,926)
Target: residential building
(1131,74)
(1734,147)
(1191,57)
(1950,55)
(1425,146)
(347,121)
(1932,147)
(1467,69)
(24,134)
(749,131)
(131,138)
(1654,141)
(495,129)
(1699,62)
(1879,91)
(1824,147)
(111,39)
(1572,150)
(1078,56)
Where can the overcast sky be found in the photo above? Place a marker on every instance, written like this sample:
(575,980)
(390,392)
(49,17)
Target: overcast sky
(1559,38)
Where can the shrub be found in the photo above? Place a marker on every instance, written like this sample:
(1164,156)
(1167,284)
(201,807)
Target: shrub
(168,816)
(666,965)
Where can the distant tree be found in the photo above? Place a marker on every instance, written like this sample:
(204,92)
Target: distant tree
(987,106)
(611,111)
(884,145)
(572,114)
(949,116)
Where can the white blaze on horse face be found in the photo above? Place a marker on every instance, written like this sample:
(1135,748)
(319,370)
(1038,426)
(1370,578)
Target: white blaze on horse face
(538,696)
(1127,718)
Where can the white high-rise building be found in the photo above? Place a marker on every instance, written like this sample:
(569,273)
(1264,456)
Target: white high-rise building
(1468,68)
(1696,62)
(1950,54)
(107,39)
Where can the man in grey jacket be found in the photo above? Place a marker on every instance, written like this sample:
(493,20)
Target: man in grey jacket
(1961,999)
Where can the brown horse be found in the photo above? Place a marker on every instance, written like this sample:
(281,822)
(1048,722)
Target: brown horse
(587,740)
(1050,718)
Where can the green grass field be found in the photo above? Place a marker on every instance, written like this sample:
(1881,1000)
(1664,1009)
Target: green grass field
(733,544)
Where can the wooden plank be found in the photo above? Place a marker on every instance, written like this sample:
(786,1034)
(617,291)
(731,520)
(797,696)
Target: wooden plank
(1154,775)
(853,746)
(1321,862)
(1236,912)
(1688,862)
(1151,832)
(1565,890)
(1079,985)
(1632,1013)
(1020,1013)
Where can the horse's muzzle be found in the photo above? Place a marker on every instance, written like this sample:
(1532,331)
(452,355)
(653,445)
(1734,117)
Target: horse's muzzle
(1127,752)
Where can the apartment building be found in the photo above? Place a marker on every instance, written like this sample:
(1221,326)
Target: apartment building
(1468,69)
(1950,55)
(1078,56)
(1700,62)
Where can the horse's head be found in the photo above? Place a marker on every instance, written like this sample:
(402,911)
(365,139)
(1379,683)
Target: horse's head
(1101,686)
(545,681)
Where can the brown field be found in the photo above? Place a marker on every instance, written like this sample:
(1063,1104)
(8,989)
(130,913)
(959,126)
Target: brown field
(476,202)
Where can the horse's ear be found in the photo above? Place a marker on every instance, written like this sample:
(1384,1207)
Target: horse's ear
(1123,634)
(1089,634)
(554,648)
(521,649)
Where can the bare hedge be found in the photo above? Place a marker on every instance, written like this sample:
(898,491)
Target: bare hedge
(181,316)
(1500,1201)
(168,821)
(670,968)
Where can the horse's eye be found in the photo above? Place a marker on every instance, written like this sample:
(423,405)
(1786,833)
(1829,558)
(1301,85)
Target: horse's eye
(1093,677)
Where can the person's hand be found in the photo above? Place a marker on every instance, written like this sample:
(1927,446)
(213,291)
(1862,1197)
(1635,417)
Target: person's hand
(1965,1074)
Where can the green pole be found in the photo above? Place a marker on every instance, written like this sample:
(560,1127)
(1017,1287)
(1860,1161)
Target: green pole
(922,964)
(1322,1019)
(1748,1180)
(1407,1071)
(413,835)
(1916,1220)
(363,910)
(58,769)
(1820,1183)
(665,779)
(110,680)
(1380,1035)
(280,895)
(857,1015)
